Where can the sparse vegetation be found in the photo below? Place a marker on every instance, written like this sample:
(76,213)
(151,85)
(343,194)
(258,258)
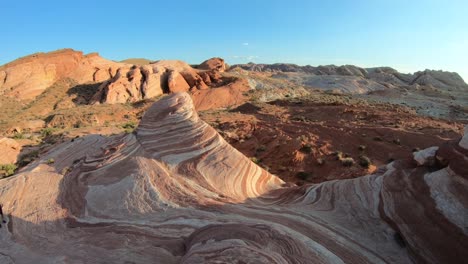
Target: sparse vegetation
(7,170)
(18,135)
(348,162)
(261,148)
(307,148)
(66,170)
(129,127)
(255,160)
(365,161)
(45,132)
(362,147)
(50,161)
(303,175)
(299,118)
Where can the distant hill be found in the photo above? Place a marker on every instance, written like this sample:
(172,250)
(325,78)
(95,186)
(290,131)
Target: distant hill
(137,61)
(349,76)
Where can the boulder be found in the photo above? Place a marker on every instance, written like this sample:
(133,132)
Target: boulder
(464,141)
(216,64)
(176,83)
(10,150)
(194,80)
(425,156)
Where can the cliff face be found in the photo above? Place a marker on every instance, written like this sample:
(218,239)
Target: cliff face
(176,192)
(28,77)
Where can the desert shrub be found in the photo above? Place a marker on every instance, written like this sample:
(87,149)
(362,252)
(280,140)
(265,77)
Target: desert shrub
(66,170)
(255,160)
(362,147)
(338,155)
(307,148)
(129,127)
(45,132)
(303,175)
(7,169)
(364,161)
(261,148)
(50,161)
(18,136)
(347,162)
(299,118)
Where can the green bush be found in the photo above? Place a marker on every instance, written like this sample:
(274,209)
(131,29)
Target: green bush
(7,169)
(45,132)
(307,148)
(348,162)
(303,175)
(18,136)
(364,161)
(255,160)
(261,148)
(129,127)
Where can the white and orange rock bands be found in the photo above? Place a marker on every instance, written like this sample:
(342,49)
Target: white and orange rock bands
(176,192)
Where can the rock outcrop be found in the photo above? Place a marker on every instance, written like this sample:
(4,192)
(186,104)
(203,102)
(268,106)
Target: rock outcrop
(130,84)
(27,77)
(216,64)
(137,83)
(176,83)
(9,150)
(176,192)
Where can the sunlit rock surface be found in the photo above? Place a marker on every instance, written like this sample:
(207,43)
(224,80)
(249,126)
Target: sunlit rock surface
(176,192)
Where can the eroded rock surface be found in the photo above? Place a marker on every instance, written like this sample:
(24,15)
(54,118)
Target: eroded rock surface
(9,150)
(28,77)
(176,192)
(216,64)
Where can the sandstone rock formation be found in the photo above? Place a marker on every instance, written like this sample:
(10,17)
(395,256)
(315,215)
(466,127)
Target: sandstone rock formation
(9,150)
(29,76)
(166,76)
(176,192)
(216,64)
(130,84)
(177,83)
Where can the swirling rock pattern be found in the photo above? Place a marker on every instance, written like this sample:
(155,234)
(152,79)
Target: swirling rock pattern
(176,192)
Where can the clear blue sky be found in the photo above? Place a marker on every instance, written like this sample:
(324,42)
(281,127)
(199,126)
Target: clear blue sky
(407,35)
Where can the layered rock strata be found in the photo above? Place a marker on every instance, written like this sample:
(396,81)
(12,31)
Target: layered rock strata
(175,192)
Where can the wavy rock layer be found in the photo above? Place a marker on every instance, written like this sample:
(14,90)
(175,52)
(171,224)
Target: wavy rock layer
(176,192)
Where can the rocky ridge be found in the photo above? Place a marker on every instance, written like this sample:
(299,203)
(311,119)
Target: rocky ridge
(386,77)
(29,76)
